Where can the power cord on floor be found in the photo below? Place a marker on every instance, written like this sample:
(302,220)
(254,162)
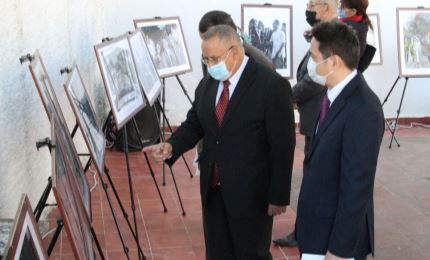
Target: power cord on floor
(94,173)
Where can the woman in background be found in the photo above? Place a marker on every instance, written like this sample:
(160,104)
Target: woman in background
(353,13)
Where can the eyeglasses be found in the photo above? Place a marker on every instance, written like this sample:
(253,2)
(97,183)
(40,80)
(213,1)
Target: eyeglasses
(211,60)
(311,5)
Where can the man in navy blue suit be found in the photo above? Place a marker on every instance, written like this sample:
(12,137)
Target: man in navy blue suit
(335,210)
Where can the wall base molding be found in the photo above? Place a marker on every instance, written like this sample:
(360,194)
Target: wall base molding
(402,121)
(409,120)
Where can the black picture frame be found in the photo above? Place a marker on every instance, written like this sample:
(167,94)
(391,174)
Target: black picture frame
(258,22)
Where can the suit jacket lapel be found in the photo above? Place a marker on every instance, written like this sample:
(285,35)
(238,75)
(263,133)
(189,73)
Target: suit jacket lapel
(333,112)
(211,98)
(247,78)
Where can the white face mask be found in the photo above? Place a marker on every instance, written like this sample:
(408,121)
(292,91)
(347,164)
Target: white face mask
(313,74)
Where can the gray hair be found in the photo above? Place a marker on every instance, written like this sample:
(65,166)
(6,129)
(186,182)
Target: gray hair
(224,32)
(334,3)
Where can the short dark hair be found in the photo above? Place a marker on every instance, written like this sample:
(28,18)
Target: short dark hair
(224,33)
(213,18)
(338,38)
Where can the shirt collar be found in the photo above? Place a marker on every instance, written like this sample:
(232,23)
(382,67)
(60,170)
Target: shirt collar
(334,92)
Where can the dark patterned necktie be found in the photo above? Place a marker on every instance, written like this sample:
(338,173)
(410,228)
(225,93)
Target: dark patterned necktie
(220,109)
(222,104)
(325,106)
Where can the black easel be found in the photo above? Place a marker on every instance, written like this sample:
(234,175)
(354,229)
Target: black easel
(183,89)
(130,185)
(152,173)
(105,187)
(42,204)
(57,233)
(393,128)
(166,121)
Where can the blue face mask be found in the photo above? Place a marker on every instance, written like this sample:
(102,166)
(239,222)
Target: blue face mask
(342,13)
(220,71)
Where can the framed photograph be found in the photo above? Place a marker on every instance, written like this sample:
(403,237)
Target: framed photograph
(52,107)
(166,43)
(413,41)
(374,38)
(25,241)
(270,28)
(146,70)
(86,117)
(43,85)
(73,214)
(120,79)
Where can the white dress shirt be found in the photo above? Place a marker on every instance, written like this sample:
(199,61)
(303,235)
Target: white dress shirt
(233,80)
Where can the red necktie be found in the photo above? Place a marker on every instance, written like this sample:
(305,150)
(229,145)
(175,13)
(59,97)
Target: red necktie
(325,106)
(221,106)
(220,109)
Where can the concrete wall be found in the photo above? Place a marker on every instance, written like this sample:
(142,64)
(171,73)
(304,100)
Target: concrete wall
(65,31)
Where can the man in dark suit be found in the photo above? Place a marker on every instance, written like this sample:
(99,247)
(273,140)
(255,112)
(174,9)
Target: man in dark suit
(306,92)
(335,208)
(216,17)
(244,113)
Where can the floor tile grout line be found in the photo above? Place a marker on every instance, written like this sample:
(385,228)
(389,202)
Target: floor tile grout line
(182,218)
(146,230)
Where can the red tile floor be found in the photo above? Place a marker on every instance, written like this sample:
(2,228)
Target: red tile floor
(402,206)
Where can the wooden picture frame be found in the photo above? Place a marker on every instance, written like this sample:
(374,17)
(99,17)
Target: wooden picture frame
(166,43)
(259,22)
(72,210)
(52,107)
(146,71)
(120,79)
(413,41)
(25,241)
(86,117)
(374,39)
(43,85)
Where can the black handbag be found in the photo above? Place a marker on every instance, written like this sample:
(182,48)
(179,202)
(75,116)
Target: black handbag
(367,58)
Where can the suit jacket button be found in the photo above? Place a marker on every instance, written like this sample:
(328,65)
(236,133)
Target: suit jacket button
(217,142)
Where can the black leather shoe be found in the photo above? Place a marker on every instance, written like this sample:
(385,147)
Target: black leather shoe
(288,241)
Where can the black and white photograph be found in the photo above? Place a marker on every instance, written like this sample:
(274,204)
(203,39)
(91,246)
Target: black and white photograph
(25,242)
(146,70)
(52,107)
(269,28)
(76,221)
(86,117)
(374,38)
(414,41)
(119,75)
(166,43)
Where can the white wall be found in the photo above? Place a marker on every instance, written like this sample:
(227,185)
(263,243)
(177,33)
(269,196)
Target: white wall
(65,31)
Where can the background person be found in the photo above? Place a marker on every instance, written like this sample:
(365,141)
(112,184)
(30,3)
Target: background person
(306,92)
